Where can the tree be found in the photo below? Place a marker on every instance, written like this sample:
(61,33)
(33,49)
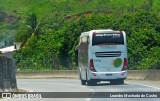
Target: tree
(30,28)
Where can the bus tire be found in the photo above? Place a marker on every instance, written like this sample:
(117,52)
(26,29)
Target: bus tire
(91,83)
(117,82)
(83,82)
(121,81)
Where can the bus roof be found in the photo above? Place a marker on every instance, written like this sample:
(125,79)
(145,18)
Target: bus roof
(99,30)
(84,34)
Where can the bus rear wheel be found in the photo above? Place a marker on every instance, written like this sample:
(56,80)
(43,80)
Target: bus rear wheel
(83,82)
(118,82)
(91,83)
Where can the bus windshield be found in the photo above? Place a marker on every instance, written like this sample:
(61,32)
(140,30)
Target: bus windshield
(107,39)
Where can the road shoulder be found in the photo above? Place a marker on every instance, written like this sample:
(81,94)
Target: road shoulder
(144,82)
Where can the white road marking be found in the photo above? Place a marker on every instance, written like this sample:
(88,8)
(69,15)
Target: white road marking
(88,99)
(130,83)
(5,99)
(83,86)
(147,85)
(26,89)
(91,89)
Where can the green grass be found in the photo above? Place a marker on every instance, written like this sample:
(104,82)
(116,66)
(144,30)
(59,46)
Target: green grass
(70,7)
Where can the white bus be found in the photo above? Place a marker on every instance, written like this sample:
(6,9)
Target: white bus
(102,56)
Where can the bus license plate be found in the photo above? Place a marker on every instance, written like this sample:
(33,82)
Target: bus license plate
(108,74)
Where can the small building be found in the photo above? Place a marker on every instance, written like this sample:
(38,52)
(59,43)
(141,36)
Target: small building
(8,51)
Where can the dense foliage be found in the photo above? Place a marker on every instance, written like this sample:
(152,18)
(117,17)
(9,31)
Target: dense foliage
(54,49)
(50,30)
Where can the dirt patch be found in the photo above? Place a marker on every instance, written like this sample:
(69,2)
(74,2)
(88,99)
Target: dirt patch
(7,18)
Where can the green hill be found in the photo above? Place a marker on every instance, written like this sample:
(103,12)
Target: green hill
(70,7)
(49,29)
(63,8)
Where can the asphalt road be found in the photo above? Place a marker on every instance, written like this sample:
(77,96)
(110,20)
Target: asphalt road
(73,86)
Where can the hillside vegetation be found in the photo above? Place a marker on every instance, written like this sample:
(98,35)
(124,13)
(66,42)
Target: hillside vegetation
(50,29)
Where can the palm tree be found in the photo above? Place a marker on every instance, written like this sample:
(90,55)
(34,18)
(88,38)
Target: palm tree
(30,29)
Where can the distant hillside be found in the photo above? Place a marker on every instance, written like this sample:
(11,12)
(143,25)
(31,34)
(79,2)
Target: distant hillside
(50,29)
(8,26)
(12,10)
(71,7)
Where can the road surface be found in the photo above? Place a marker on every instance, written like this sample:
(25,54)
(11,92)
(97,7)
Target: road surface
(73,85)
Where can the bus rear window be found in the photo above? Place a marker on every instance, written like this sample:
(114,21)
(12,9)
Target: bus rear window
(107,39)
